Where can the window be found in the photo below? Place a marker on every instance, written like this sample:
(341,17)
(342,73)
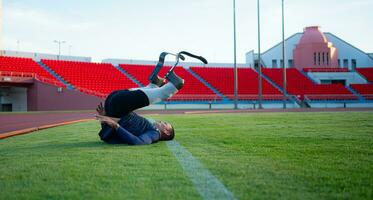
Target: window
(290,63)
(319,57)
(323,58)
(342,81)
(339,63)
(327,58)
(345,63)
(325,81)
(314,58)
(274,63)
(353,63)
(8,107)
(281,63)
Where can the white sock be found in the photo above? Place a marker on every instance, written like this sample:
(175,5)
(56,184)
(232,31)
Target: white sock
(158,94)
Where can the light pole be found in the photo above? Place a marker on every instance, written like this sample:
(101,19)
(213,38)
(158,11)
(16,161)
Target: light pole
(283,56)
(17,46)
(234,52)
(59,42)
(70,46)
(259,63)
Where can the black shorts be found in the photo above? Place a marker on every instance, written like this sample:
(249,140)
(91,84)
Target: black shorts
(121,102)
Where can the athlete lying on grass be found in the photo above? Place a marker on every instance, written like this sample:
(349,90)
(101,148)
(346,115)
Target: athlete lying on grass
(120,125)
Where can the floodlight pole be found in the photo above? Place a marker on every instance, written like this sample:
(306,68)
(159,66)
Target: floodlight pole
(259,64)
(234,55)
(17,46)
(70,46)
(59,42)
(283,56)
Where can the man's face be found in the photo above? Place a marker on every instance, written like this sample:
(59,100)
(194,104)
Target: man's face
(164,127)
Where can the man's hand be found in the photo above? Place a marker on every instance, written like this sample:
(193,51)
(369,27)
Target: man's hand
(100,109)
(107,120)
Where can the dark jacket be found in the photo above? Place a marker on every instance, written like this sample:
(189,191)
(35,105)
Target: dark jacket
(133,130)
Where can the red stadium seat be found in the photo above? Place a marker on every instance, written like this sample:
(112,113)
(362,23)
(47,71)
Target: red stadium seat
(192,90)
(366,90)
(222,79)
(366,72)
(94,77)
(17,66)
(299,85)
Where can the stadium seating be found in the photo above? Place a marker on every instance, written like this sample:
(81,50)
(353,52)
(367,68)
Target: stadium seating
(325,69)
(97,77)
(16,66)
(192,90)
(366,90)
(222,78)
(299,85)
(366,72)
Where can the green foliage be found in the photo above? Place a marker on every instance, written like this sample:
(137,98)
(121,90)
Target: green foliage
(257,155)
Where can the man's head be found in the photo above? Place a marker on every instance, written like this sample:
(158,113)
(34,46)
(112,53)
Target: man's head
(166,130)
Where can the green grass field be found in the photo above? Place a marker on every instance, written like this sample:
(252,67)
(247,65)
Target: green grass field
(256,156)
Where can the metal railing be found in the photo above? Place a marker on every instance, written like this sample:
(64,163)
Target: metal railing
(31,75)
(329,97)
(254,97)
(91,92)
(195,97)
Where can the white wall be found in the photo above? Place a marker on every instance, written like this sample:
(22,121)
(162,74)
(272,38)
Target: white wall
(276,51)
(39,56)
(348,51)
(350,77)
(17,97)
(250,58)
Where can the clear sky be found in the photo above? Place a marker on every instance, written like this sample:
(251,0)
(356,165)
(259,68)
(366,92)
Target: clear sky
(141,29)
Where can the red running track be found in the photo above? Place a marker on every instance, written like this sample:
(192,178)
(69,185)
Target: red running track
(14,122)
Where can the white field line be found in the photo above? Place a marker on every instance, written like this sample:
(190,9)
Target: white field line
(207,185)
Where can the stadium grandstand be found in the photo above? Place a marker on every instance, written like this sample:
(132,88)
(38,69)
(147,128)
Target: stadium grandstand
(322,71)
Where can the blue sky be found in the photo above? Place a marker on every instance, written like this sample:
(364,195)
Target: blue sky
(141,29)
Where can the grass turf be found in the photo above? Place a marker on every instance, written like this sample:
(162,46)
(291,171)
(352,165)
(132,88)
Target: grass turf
(259,155)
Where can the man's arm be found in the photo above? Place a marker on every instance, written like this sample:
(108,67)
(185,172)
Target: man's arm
(124,135)
(101,111)
(128,138)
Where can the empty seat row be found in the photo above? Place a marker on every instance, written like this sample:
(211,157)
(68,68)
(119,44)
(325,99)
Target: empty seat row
(366,72)
(298,84)
(222,78)
(100,77)
(191,87)
(17,66)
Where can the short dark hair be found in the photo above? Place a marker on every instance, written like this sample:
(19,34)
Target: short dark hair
(170,136)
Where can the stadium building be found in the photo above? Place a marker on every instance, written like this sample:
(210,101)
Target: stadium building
(322,71)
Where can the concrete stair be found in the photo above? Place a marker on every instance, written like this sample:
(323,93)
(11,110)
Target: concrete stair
(129,76)
(58,77)
(361,98)
(207,84)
